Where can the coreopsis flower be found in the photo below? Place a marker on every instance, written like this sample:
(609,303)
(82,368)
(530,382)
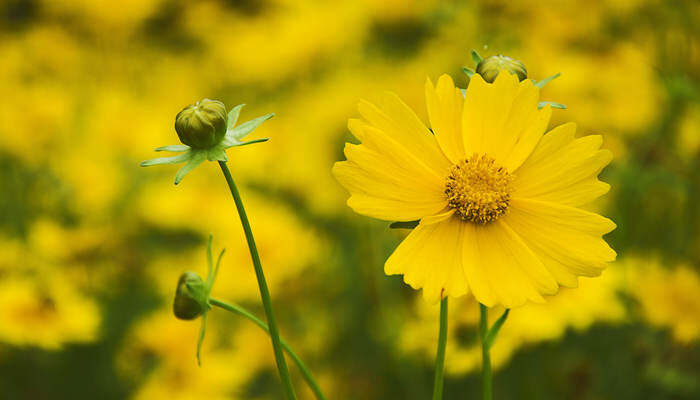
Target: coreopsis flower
(206,132)
(497,199)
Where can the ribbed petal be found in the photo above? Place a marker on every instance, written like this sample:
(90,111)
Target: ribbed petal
(501,268)
(393,119)
(563,170)
(445,105)
(502,119)
(568,240)
(430,258)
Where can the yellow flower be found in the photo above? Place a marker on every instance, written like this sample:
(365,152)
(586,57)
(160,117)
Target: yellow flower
(497,198)
(668,296)
(47,315)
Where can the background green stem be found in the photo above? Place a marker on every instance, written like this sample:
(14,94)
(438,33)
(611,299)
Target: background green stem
(440,357)
(305,372)
(487,383)
(262,284)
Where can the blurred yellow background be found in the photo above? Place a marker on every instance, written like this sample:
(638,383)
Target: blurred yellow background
(91,245)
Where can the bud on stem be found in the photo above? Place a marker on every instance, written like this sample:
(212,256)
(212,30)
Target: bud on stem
(202,125)
(489,67)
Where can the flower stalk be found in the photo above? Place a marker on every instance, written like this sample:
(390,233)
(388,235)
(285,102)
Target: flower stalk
(440,356)
(262,284)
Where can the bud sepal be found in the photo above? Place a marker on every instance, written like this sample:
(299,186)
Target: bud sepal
(204,137)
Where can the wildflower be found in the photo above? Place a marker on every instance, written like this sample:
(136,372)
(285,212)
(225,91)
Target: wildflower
(206,133)
(497,200)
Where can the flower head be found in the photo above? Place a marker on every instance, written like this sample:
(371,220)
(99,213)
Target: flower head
(190,296)
(497,200)
(206,132)
(489,67)
(201,125)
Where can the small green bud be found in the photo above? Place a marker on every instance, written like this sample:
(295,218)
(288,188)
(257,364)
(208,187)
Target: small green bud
(201,125)
(489,67)
(190,296)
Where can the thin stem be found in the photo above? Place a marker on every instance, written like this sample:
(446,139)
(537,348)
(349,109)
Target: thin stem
(305,372)
(487,383)
(440,357)
(264,291)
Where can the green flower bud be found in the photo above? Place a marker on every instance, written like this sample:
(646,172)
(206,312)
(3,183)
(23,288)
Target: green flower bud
(190,296)
(489,67)
(201,125)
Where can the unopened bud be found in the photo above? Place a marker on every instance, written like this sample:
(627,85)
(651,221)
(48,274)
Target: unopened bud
(489,67)
(190,296)
(201,125)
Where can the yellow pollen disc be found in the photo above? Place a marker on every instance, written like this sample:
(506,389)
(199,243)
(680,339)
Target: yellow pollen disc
(479,189)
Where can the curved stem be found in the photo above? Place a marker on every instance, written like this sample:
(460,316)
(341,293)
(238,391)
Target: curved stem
(264,291)
(440,357)
(487,383)
(305,372)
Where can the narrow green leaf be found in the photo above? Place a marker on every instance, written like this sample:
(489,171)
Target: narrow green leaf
(174,147)
(552,104)
(470,72)
(404,224)
(167,160)
(546,80)
(216,270)
(238,144)
(233,116)
(210,257)
(464,92)
(245,128)
(197,157)
(495,328)
(476,57)
(200,341)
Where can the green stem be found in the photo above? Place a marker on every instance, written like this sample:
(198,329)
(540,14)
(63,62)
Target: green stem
(305,372)
(487,383)
(440,357)
(264,291)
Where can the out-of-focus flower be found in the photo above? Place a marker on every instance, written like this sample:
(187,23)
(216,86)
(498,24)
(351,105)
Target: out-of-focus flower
(497,199)
(688,139)
(167,342)
(206,132)
(595,300)
(48,313)
(668,296)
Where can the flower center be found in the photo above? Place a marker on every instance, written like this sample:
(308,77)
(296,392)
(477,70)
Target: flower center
(479,189)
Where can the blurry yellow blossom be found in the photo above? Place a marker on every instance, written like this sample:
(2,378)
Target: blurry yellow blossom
(102,15)
(595,300)
(170,344)
(669,296)
(688,138)
(46,313)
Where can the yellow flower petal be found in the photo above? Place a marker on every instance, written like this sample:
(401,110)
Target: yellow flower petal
(383,199)
(393,118)
(444,105)
(430,258)
(393,152)
(514,272)
(568,240)
(502,119)
(563,169)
